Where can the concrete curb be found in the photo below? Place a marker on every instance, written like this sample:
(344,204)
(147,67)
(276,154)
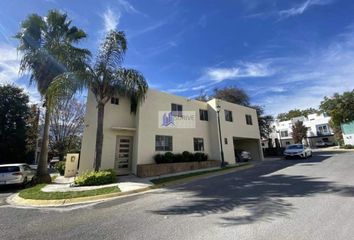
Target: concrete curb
(16,200)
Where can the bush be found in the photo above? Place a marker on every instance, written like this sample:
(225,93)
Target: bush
(96,178)
(159,158)
(185,156)
(348,146)
(178,158)
(60,167)
(169,157)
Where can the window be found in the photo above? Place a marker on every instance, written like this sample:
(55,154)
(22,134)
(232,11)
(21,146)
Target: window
(225,141)
(203,114)
(163,143)
(287,143)
(249,119)
(176,110)
(115,100)
(322,129)
(228,116)
(284,133)
(198,144)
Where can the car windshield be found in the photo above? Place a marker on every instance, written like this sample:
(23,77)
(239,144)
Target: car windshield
(9,169)
(295,147)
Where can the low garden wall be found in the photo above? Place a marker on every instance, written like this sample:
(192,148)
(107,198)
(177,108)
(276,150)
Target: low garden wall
(151,170)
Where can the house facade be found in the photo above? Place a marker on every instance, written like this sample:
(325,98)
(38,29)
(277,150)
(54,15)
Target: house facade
(318,129)
(348,133)
(132,139)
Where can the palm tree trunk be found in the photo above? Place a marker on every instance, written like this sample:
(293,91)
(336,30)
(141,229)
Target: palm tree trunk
(99,135)
(42,169)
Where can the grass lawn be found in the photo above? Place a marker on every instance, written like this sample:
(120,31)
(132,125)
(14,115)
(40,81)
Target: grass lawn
(188,175)
(36,193)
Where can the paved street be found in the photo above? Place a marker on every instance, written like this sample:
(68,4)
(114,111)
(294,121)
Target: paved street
(293,199)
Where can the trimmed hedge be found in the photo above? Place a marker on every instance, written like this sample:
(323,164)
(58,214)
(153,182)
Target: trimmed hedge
(185,156)
(348,146)
(96,178)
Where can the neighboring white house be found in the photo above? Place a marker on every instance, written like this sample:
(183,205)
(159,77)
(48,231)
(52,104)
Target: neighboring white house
(348,133)
(133,139)
(318,129)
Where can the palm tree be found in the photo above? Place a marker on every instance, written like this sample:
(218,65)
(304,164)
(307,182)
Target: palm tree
(299,131)
(105,78)
(47,48)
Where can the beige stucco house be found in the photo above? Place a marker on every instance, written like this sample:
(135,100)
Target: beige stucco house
(133,139)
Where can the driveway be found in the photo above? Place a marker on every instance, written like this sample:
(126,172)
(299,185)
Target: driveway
(294,199)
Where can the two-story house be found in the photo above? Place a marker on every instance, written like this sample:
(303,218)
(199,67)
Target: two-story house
(131,139)
(318,129)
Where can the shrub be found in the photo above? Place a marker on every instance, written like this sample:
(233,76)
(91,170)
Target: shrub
(348,146)
(96,178)
(187,156)
(159,158)
(199,157)
(178,158)
(60,167)
(169,157)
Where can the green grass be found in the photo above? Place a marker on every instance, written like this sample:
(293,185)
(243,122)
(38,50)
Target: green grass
(189,175)
(36,193)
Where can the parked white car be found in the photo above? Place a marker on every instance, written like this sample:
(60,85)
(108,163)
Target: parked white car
(19,173)
(322,143)
(297,150)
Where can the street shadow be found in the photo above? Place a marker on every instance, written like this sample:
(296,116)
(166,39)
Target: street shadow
(251,195)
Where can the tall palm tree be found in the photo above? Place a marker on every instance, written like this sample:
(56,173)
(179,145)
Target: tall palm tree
(47,50)
(105,78)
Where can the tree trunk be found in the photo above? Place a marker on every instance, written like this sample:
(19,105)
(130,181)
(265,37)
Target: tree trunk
(42,168)
(99,135)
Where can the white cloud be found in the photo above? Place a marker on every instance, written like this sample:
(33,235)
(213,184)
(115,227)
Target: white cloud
(126,6)
(300,9)
(111,19)
(9,64)
(296,10)
(243,70)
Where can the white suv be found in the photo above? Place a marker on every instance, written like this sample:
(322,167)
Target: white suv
(19,173)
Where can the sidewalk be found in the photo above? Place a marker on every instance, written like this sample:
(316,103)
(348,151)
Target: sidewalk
(125,184)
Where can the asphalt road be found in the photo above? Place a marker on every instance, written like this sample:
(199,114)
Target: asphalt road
(307,199)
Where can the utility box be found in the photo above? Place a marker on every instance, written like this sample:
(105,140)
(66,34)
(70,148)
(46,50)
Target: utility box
(72,160)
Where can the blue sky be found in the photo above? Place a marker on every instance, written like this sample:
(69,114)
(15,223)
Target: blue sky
(285,54)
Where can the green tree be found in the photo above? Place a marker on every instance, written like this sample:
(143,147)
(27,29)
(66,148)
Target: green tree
(340,108)
(106,78)
(32,132)
(296,113)
(66,127)
(299,132)
(239,96)
(13,115)
(47,50)
(232,94)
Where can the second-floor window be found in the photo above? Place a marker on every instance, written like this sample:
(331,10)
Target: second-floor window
(248,119)
(228,116)
(284,133)
(323,129)
(176,109)
(115,101)
(203,114)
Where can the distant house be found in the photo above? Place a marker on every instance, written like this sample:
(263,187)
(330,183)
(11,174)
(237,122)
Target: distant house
(348,133)
(132,139)
(318,129)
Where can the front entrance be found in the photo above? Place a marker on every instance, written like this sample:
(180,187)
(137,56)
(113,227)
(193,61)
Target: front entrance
(123,155)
